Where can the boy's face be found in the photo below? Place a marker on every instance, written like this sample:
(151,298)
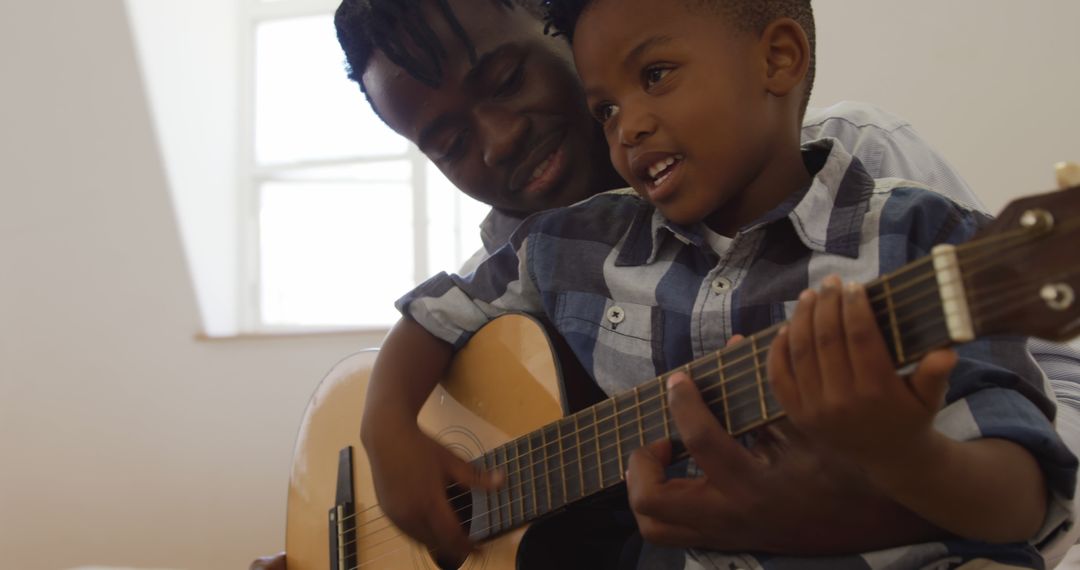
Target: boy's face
(510,129)
(681,99)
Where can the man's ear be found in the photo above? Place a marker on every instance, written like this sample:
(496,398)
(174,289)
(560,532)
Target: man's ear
(787,56)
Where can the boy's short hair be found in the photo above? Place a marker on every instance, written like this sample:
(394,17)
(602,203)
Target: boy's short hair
(399,29)
(745,15)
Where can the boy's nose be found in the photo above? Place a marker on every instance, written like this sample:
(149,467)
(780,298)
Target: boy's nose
(502,132)
(635,126)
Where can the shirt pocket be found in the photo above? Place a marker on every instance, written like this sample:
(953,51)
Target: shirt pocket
(619,343)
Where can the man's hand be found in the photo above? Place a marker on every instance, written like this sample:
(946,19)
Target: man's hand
(784,495)
(275,562)
(411,472)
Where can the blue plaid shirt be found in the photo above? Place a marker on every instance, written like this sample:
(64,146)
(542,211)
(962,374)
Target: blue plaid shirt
(635,296)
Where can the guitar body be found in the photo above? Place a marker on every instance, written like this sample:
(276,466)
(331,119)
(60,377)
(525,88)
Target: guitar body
(503,384)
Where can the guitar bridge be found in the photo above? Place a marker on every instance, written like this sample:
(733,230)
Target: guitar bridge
(341,518)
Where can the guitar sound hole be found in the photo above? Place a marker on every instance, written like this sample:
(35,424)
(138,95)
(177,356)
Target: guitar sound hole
(461,502)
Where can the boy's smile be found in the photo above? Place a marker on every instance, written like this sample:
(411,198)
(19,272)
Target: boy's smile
(689,111)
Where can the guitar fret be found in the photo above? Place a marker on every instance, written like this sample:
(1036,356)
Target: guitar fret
(562,463)
(524,489)
(629,420)
(651,412)
(618,438)
(723,390)
(741,388)
(494,509)
(891,310)
(532,475)
(637,406)
(506,501)
(607,432)
(757,374)
(580,460)
(599,455)
(662,387)
(547,472)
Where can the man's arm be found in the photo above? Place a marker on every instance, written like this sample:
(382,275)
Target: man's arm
(410,471)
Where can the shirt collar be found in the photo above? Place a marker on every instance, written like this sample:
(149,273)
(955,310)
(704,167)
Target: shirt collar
(496,229)
(827,215)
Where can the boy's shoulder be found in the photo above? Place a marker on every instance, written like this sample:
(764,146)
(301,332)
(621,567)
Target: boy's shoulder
(604,217)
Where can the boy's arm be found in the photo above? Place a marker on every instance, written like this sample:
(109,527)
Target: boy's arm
(833,375)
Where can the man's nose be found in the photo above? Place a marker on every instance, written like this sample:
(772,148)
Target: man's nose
(502,132)
(635,125)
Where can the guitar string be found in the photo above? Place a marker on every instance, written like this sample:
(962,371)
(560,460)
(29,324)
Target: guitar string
(1028,300)
(1025,300)
(615,419)
(910,283)
(533,458)
(743,357)
(576,433)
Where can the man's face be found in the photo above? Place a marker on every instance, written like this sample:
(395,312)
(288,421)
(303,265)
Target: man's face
(510,129)
(680,97)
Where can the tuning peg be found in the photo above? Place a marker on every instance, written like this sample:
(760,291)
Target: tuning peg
(1068,174)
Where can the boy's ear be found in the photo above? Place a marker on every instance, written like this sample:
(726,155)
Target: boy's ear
(787,56)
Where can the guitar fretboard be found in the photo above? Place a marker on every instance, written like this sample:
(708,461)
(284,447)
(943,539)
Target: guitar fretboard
(588,451)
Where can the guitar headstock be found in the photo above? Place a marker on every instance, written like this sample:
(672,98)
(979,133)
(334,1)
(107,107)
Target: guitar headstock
(1022,271)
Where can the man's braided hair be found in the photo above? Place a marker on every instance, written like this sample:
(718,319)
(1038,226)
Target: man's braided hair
(398,29)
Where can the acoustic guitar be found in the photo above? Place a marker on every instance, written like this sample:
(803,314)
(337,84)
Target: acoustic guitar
(502,403)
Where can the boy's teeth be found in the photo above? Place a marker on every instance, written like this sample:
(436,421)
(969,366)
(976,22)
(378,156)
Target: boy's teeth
(660,165)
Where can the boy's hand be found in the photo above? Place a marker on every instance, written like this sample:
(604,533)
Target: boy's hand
(833,376)
(411,472)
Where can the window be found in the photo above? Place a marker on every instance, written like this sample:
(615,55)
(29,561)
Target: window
(340,215)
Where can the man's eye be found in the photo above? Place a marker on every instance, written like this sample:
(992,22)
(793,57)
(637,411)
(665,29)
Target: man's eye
(454,148)
(510,82)
(654,75)
(604,112)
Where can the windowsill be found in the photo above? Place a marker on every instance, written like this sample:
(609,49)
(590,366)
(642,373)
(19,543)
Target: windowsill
(283,334)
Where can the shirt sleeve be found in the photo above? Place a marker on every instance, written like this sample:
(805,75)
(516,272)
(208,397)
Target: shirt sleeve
(996,390)
(889,147)
(454,307)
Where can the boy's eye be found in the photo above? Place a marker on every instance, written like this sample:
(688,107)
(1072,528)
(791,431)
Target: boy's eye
(604,112)
(654,74)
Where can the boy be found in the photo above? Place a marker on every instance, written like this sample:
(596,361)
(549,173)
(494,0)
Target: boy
(633,292)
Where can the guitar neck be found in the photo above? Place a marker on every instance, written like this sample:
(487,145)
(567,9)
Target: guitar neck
(588,452)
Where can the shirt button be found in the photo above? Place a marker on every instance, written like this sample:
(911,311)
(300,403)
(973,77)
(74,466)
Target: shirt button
(721,284)
(616,315)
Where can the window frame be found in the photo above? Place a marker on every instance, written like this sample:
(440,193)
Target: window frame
(251,174)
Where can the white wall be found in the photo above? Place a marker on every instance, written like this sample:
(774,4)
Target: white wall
(124,441)
(991,83)
(189,58)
